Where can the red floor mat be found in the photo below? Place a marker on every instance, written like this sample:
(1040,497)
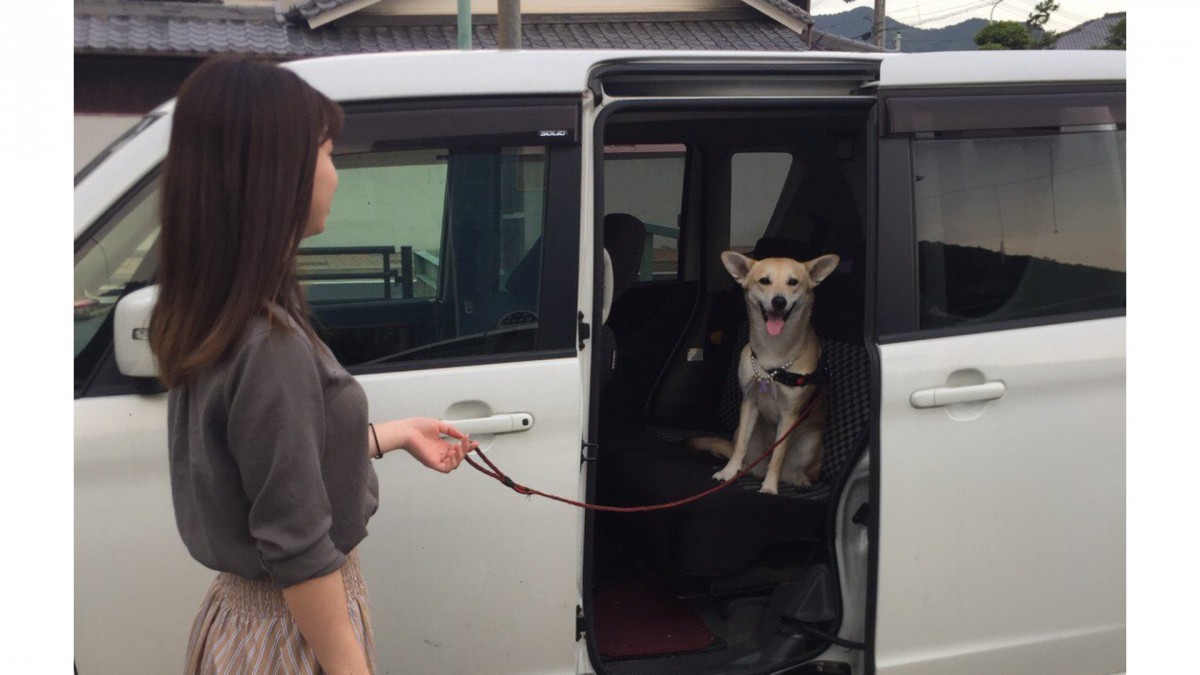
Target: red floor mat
(639,618)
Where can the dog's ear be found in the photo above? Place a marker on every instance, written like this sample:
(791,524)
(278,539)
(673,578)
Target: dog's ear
(737,264)
(819,268)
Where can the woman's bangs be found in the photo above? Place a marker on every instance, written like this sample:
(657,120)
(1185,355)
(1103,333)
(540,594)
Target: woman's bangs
(331,118)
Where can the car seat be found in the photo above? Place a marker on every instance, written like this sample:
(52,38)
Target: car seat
(624,242)
(726,531)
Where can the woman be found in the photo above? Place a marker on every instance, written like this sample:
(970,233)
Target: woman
(270,445)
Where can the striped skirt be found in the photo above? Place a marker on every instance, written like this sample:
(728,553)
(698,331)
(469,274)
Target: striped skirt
(244,626)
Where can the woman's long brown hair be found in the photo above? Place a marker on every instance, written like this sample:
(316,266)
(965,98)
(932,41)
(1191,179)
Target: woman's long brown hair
(237,189)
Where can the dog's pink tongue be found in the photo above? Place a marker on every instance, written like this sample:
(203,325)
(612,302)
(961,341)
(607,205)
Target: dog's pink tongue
(774,325)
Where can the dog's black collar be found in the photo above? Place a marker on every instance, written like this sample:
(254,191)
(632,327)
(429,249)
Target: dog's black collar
(790,379)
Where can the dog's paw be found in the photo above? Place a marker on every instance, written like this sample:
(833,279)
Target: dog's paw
(725,474)
(799,479)
(770,488)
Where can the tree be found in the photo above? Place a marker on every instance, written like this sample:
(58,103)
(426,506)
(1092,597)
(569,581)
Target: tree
(1004,35)
(1036,23)
(1116,36)
(1041,14)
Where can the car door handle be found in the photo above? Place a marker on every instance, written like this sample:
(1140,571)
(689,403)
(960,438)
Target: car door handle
(502,423)
(940,396)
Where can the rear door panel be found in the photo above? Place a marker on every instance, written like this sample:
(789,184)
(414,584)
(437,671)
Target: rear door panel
(1001,267)
(1002,528)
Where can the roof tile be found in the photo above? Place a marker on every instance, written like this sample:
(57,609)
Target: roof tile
(181,35)
(1090,34)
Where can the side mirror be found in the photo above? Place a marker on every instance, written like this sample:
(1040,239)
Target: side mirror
(131,333)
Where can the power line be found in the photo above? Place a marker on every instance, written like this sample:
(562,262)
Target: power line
(912,11)
(1031,6)
(950,14)
(934,6)
(1059,19)
(924,12)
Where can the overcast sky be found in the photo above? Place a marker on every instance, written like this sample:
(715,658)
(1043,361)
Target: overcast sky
(936,13)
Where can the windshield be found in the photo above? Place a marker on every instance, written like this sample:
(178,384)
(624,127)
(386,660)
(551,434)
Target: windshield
(115,145)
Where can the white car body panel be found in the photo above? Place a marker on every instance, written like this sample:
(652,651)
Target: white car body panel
(998,524)
(449,559)
(130,578)
(948,69)
(483,73)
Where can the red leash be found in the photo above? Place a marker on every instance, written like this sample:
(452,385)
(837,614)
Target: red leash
(494,472)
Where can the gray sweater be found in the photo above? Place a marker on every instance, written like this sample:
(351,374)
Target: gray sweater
(270,474)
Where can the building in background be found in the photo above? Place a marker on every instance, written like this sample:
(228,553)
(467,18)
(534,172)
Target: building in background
(130,56)
(1092,34)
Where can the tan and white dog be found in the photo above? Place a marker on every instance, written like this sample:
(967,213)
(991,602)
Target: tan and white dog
(777,371)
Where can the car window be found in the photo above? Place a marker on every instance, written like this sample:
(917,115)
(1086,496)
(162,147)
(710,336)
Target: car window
(429,252)
(1019,226)
(757,180)
(384,232)
(433,251)
(646,181)
(113,259)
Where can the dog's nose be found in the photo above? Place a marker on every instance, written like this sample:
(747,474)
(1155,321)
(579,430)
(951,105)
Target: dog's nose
(778,303)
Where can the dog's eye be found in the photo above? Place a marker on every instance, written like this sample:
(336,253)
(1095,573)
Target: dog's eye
(765,281)
(793,282)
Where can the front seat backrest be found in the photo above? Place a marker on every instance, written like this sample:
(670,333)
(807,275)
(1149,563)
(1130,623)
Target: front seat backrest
(624,242)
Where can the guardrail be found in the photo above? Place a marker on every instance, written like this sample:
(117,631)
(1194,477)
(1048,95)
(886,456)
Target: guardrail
(418,274)
(416,277)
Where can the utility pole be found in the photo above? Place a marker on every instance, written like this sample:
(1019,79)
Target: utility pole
(508,20)
(464,25)
(879,27)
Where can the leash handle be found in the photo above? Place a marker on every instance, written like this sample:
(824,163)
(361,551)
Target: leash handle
(494,472)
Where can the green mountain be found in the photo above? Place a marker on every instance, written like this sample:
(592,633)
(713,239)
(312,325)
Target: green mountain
(856,24)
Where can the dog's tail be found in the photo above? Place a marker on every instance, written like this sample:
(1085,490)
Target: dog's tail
(718,446)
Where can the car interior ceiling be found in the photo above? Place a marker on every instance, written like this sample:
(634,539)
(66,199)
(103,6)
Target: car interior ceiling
(755,572)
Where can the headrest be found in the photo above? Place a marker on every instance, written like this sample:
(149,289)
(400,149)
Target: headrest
(624,239)
(783,247)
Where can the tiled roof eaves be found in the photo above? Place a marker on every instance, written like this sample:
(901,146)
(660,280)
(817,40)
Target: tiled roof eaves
(179,36)
(1090,34)
(166,9)
(303,10)
(790,10)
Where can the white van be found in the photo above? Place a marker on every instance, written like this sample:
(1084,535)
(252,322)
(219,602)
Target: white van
(971,514)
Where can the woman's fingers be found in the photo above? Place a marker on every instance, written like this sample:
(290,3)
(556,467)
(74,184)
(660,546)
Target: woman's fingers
(447,429)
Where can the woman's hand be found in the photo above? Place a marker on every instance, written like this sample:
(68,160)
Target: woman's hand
(422,438)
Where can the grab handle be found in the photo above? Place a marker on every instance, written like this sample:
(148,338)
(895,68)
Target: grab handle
(501,423)
(942,396)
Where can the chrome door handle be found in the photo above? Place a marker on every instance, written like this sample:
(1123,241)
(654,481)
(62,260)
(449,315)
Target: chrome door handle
(940,396)
(502,423)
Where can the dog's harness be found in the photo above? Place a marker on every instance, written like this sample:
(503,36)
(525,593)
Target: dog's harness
(785,377)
